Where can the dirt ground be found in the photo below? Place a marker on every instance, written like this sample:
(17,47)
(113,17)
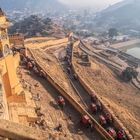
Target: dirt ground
(69,118)
(122,98)
(50,63)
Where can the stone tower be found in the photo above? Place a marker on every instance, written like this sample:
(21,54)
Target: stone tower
(7,60)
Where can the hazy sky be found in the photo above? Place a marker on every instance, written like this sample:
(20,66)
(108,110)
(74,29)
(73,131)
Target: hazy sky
(95,3)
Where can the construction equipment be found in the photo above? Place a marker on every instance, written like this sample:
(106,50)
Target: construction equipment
(84,59)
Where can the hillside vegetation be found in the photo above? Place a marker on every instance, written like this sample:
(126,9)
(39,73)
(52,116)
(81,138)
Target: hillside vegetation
(35,26)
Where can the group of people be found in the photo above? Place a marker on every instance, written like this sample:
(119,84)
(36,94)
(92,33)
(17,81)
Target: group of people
(68,62)
(31,65)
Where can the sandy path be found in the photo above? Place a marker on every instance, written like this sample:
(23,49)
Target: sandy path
(53,116)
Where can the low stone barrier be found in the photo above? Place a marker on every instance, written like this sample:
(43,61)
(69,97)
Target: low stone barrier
(55,42)
(19,132)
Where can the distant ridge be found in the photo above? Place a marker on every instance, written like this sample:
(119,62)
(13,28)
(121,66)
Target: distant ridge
(124,15)
(20,5)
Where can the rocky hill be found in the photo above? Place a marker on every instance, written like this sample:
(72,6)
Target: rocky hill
(32,4)
(124,15)
(35,26)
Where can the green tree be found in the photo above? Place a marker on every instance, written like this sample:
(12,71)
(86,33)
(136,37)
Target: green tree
(112,32)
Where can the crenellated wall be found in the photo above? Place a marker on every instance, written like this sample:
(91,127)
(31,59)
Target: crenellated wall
(16,39)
